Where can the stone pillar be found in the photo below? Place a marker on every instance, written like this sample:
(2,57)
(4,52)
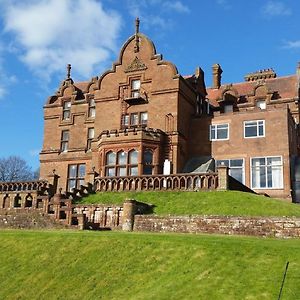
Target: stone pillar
(128,214)
(223,180)
(56,205)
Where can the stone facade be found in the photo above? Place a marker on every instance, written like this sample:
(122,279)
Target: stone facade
(143,118)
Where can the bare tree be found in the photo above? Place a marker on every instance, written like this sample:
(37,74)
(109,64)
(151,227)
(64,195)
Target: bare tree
(14,168)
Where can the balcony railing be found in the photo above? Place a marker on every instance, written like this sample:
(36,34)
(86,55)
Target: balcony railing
(38,185)
(187,182)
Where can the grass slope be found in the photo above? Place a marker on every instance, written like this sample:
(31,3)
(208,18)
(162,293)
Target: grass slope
(202,203)
(110,265)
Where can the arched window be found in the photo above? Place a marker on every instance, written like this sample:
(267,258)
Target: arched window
(110,163)
(122,163)
(133,163)
(147,162)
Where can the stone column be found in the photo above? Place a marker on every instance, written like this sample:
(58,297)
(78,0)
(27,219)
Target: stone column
(56,205)
(223,180)
(128,214)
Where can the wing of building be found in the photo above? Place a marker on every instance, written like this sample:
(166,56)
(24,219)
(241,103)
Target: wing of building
(142,117)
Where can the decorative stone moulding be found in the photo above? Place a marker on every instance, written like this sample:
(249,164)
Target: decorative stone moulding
(136,65)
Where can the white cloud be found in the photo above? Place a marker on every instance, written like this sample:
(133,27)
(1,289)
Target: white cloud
(159,19)
(292,44)
(52,33)
(177,6)
(276,8)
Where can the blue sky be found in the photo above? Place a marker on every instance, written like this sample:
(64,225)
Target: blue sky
(39,37)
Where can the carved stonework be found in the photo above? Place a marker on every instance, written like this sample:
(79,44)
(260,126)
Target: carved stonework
(136,65)
(261,74)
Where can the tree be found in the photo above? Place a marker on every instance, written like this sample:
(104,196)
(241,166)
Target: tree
(14,168)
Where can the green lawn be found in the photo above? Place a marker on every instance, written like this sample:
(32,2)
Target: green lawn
(203,203)
(116,265)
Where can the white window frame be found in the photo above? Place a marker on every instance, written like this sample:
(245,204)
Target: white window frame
(243,167)
(216,126)
(267,188)
(257,129)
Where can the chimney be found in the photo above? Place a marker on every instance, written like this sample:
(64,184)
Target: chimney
(217,76)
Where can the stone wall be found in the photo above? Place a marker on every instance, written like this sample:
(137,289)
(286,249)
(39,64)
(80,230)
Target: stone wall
(268,227)
(26,219)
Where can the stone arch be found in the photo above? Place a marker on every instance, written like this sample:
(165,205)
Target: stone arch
(17,201)
(6,201)
(28,200)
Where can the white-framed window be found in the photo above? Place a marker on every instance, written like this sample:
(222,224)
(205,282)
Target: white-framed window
(266,172)
(219,132)
(236,167)
(254,129)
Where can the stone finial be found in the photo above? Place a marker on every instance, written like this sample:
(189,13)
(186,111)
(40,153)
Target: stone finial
(137,25)
(137,29)
(217,76)
(298,70)
(69,71)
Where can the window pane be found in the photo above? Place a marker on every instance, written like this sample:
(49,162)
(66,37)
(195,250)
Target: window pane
(147,170)
(122,158)
(125,120)
(92,112)
(135,84)
(64,146)
(110,172)
(65,135)
(91,133)
(212,132)
(222,134)
(72,171)
(133,157)
(133,171)
(122,171)
(134,119)
(236,163)
(80,182)
(71,184)
(250,131)
(148,157)
(144,118)
(81,170)
(237,173)
(111,158)
(66,115)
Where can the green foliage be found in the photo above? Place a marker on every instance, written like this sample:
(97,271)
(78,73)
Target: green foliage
(203,203)
(110,265)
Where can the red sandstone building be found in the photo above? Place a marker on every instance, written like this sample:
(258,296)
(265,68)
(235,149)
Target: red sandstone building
(143,118)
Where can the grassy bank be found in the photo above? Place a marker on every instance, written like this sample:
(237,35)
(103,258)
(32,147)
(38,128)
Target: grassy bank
(203,203)
(108,265)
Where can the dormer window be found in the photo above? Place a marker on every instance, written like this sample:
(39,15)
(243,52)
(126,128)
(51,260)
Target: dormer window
(67,110)
(261,104)
(135,88)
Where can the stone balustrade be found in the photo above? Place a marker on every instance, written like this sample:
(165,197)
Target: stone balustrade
(190,181)
(37,185)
